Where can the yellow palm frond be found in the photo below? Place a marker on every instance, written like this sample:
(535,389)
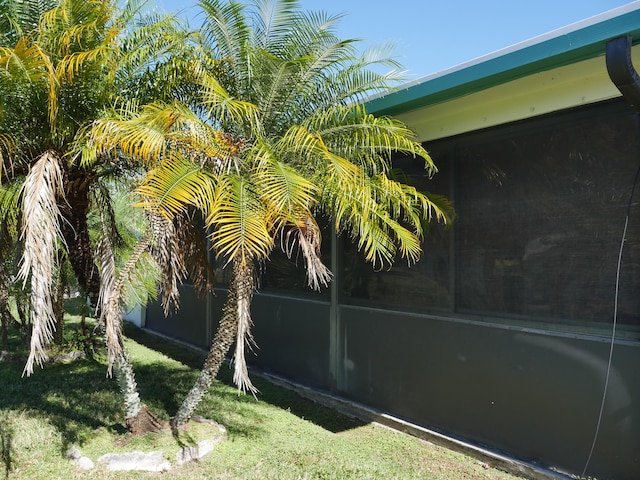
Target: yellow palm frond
(365,139)
(28,63)
(229,111)
(174,185)
(238,220)
(287,194)
(150,134)
(70,65)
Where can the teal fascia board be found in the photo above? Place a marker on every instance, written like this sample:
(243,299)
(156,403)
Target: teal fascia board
(566,48)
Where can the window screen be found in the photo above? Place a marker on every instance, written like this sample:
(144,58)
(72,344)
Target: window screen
(540,211)
(541,216)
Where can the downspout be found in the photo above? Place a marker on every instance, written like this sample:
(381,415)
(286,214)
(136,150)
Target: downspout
(621,71)
(626,79)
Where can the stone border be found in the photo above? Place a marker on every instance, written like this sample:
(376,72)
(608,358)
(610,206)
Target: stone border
(148,461)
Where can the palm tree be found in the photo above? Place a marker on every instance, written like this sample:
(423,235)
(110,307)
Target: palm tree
(278,137)
(63,65)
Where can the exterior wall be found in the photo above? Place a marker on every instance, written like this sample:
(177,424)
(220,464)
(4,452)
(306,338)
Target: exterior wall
(190,324)
(292,335)
(533,395)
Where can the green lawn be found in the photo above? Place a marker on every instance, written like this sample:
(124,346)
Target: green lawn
(279,436)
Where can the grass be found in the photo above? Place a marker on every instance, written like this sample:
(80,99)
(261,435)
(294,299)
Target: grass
(279,436)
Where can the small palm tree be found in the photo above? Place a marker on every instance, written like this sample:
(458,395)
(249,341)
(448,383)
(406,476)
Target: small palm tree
(277,137)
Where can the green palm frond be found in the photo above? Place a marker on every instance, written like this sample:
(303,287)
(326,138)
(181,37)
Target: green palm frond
(273,23)
(8,150)
(9,216)
(21,17)
(155,60)
(226,32)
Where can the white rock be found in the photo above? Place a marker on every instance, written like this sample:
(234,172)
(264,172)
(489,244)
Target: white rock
(85,463)
(187,454)
(136,460)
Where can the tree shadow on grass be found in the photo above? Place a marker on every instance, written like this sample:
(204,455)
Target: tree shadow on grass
(75,397)
(277,396)
(163,388)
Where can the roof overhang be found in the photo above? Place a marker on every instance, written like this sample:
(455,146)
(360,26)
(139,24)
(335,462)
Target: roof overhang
(566,46)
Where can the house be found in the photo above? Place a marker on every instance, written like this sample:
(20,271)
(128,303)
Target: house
(519,330)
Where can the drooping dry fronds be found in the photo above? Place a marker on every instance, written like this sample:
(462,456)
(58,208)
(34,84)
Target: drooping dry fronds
(40,236)
(308,239)
(194,251)
(241,290)
(111,291)
(109,299)
(169,258)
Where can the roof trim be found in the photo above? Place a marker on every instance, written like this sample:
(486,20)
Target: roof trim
(579,41)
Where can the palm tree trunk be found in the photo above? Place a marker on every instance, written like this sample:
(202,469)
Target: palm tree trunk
(4,316)
(128,386)
(75,231)
(58,305)
(138,417)
(240,288)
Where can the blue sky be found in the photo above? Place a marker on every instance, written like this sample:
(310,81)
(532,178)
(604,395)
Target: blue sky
(434,35)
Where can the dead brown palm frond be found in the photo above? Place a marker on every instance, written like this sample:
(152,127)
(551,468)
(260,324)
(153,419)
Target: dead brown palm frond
(307,238)
(111,292)
(40,236)
(166,252)
(194,250)
(241,293)
(109,298)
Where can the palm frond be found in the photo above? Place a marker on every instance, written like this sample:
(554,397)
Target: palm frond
(170,258)
(21,17)
(365,139)
(228,111)
(284,191)
(171,187)
(28,63)
(194,252)
(109,298)
(306,236)
(238,219)
(8,150)
(226,32)
(40,236)
(9,217)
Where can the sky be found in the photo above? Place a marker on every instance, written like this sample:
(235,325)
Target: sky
(434,35)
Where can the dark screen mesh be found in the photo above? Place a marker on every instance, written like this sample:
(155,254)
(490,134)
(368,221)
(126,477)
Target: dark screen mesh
(540,210)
